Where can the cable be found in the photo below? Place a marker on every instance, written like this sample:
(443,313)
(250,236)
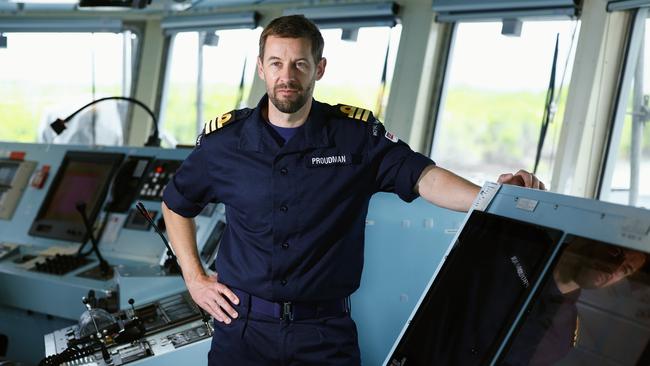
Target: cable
(80,252)
(70,354)
(103,264)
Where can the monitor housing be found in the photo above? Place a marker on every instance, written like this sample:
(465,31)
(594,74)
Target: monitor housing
(536,278)
(84,177)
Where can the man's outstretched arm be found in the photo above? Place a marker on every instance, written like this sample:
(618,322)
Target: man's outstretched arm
(448,190)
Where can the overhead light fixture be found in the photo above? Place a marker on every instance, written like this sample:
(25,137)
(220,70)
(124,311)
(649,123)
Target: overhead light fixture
(349,34)
(209,23)
(49,2)
(349,15)
(41,24)
(452,11)
(211,39)
(179,5)
(110,4)
(511,27)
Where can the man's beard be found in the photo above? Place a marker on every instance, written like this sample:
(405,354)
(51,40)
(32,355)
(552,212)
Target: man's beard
(289,105)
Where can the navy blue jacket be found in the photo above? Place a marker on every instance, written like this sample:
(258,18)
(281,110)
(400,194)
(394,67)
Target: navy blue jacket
(295,212)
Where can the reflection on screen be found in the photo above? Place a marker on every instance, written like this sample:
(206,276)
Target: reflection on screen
(473,300)
(593,309)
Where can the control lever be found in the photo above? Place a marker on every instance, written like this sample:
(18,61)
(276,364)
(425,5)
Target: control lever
(89,301)
(172,258)
(133,330)
(131,302)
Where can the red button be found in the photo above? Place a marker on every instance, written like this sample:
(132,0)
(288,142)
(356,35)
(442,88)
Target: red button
(17,155)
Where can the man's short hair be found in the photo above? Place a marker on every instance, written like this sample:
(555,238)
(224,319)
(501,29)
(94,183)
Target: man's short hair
(294,26)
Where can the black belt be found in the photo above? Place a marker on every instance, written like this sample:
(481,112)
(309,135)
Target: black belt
(289,310)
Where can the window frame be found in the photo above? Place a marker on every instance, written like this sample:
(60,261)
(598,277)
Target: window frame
(441,91)
(165,80)
(92,26)
(624,85)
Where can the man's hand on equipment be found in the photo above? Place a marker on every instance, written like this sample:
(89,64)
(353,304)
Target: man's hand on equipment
(522,178)
(213,297)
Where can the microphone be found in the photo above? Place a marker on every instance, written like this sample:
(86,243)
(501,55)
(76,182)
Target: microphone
(171,263)
(154,140)
(171,257)
(104,267)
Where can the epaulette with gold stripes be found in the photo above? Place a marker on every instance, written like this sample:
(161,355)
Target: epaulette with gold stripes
(354,112)
(224,119)
(216,123)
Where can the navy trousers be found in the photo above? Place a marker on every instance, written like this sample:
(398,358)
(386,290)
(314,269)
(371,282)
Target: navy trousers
(259,340)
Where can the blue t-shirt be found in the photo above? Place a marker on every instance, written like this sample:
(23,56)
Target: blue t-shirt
(285,132)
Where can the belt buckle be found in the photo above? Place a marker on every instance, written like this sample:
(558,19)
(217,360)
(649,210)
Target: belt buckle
(287,311)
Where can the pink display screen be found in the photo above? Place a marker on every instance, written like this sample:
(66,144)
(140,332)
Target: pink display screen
(81,182)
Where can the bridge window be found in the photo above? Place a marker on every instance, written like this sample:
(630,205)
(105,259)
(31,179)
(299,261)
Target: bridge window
(626,178)
(360,66)
(209,73)
(46,76)
(495,96)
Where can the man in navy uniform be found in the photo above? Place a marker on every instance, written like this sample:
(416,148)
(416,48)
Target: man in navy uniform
(296,177)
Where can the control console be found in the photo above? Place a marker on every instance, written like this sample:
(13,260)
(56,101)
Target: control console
(136,334)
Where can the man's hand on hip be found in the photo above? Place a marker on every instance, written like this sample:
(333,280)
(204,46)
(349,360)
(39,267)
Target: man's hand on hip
(214,297)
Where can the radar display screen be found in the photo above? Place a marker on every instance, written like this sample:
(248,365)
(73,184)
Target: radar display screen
(83,178)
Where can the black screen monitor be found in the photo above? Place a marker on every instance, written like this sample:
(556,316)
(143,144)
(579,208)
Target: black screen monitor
(84,177)
(590,310)
(474,299)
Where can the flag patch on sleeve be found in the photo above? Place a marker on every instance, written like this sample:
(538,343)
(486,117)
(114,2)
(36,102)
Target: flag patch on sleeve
(391,136)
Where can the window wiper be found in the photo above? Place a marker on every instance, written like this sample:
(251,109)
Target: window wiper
(549,107)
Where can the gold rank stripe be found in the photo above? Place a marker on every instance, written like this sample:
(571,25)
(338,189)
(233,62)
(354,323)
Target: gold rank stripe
(355,112)
(224,119)
(217,123)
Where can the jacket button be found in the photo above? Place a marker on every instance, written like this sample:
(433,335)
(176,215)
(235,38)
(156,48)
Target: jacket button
(284,171)
(285,245)
(284,208)
(283,282)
